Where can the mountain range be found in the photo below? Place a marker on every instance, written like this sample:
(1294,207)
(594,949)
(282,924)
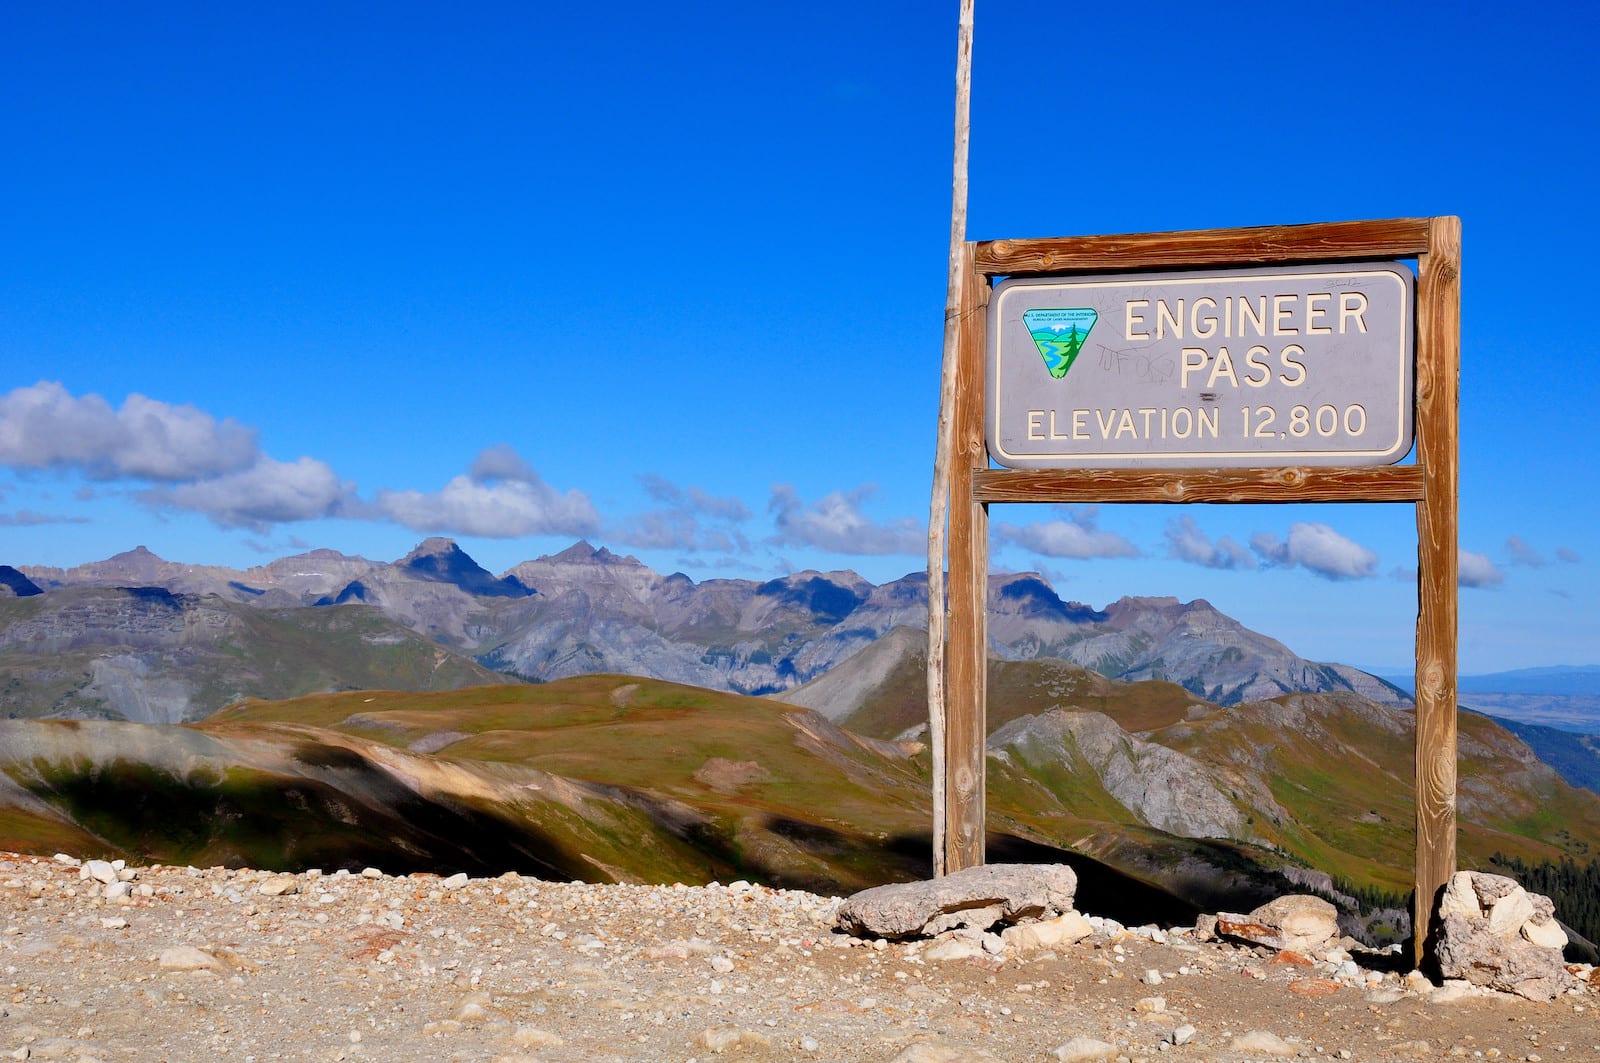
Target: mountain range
(142,638)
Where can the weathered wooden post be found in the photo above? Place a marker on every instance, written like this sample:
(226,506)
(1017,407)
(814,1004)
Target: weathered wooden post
(960,271)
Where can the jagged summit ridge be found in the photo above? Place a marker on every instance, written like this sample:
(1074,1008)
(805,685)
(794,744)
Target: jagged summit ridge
(586,610)
(444,561)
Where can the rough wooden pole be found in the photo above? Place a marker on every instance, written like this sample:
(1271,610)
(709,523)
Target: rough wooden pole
(967,659)
(1438,563)
(938,510)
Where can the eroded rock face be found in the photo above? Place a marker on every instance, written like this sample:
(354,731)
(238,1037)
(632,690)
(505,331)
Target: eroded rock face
(1164,788)
(978,897)
(1494,933)
(1297,922)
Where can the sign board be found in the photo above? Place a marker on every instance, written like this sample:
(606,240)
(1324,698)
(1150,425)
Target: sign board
(1293,365)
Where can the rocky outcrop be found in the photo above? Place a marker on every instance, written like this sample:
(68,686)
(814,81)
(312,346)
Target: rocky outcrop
(1164,788)
(1492,932)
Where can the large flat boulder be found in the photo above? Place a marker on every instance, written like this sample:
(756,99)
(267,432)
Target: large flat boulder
(978,897)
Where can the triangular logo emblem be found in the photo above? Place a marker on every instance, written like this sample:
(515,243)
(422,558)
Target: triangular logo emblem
(1059,335)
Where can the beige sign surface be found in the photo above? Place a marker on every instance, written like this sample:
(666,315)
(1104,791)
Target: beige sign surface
(1233,368)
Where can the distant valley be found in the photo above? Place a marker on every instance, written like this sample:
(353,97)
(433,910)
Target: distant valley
(1555,710)
(1566,698)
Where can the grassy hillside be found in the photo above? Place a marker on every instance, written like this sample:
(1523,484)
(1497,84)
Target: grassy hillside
(1021,688)
(1163,803)
(1325,780)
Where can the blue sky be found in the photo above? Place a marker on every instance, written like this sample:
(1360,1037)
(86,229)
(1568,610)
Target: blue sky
(671,278)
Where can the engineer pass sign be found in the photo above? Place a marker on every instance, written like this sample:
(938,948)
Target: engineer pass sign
(1304,365)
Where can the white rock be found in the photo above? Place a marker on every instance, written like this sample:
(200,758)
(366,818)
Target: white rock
(118,890)
(1547,935)
(1263,1042)
(456,881)
(1152,977)
(101,871)
(278,886)
(1063,930)
(1085,1050)
(188,958)
(1183,1034)
(1453,991)
(939,1052)
(953,949)
(533,1037)
(1460,898)
(1507,914)
(720,1039)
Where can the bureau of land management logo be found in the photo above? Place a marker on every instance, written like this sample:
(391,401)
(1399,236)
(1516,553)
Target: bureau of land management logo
(1059,335)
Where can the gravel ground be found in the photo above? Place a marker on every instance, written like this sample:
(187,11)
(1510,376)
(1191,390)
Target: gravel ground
(210,964)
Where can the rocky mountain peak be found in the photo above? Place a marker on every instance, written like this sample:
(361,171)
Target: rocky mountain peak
(443,561)
(580,551)
(433,546)
(583,552)
(323,553)
(1030,594)
(138,561)
(825,595)
(14,584)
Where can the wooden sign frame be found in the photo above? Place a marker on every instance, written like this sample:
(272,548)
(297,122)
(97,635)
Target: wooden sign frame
(1431,484)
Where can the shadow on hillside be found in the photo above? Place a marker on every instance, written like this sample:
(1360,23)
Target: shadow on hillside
(262,820)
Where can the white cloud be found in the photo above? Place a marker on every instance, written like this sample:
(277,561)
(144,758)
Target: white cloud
(1522,553)
(1568,555)
(1186,542)
(681,522)
(1077,536)
(45,427)
(836,523)
(269,492)
(693,499)
(1318,549)
(1476,570)
(502,462)
(678,530)
(501,498)
(204,465)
